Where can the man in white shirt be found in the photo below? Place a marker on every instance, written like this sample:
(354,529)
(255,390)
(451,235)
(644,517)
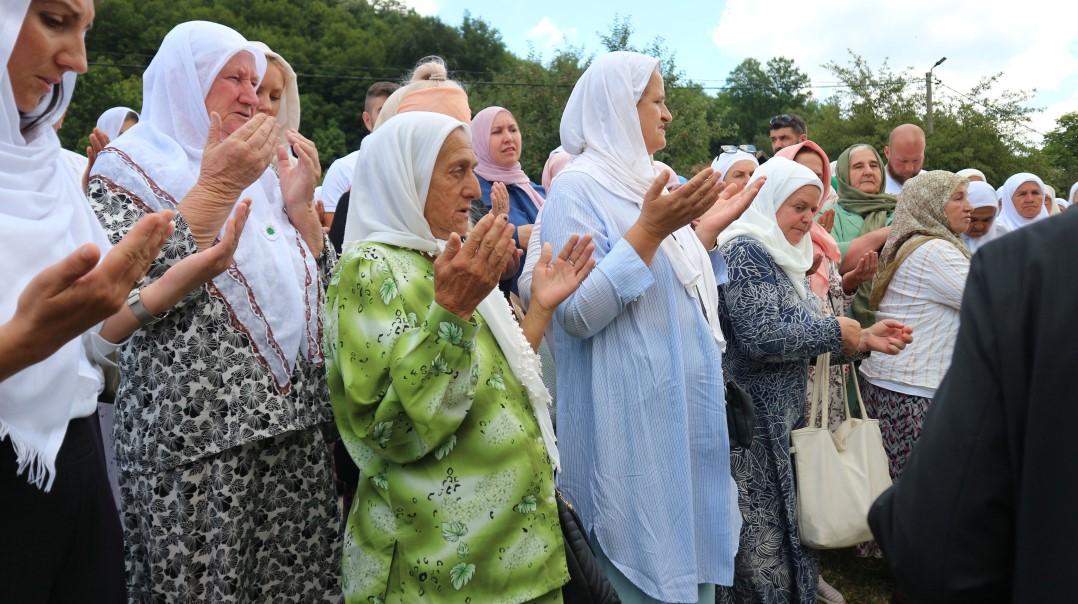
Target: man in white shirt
(905,153)
(338,178)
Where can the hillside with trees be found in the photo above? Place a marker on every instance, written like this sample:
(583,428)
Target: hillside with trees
(339,47)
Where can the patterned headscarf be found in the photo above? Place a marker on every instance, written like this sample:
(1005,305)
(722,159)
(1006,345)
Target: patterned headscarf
(919,217)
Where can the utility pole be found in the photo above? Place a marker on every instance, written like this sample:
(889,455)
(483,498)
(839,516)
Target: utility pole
(928,95)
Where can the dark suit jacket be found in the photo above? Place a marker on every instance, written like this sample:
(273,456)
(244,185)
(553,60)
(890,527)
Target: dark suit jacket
(986,509)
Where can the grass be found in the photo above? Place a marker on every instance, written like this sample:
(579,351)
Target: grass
(860,580)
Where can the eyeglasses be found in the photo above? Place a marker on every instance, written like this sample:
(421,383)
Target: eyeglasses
(736,148)
(783,120)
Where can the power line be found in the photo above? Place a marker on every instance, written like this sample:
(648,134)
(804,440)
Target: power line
(988,106)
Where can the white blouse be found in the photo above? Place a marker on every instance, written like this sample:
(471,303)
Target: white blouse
(926,294)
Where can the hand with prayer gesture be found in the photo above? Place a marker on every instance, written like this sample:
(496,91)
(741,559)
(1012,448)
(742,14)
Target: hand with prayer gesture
(198,268)
(827,220)
(230,164)
(69,297)
(887,336)
(555,278)
(98,141)
(297,188)
(730,205)
(298,181)
(863,272)
(663,213)
(466,272)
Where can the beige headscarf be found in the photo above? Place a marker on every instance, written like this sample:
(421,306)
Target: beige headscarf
(919,218)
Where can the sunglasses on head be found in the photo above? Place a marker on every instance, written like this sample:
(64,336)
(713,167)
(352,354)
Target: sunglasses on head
(736,148)
(783,121)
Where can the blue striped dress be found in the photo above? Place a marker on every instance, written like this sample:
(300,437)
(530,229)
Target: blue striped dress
(641,418)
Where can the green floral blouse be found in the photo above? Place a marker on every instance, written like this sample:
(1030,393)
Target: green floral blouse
(456,497)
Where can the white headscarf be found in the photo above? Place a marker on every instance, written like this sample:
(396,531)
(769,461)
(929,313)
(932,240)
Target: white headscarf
(158,160)
(601,127)
(397,163)
(724,161)
(113,119)
(44,216)
(1009,219)
(981,195)
(288,115)
(971,172)
(784,178)
(1074,189)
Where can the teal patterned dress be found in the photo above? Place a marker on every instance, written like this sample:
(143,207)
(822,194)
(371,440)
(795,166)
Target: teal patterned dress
(456,498)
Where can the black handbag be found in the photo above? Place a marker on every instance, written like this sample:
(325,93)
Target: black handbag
(740,415)
(587,583)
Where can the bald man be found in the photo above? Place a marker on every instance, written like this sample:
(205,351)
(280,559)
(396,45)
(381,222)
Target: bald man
(905,153)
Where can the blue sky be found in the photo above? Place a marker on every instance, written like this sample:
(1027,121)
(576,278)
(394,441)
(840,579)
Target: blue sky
(1035,42)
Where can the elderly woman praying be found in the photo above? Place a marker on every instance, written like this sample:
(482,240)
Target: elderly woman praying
(436,388)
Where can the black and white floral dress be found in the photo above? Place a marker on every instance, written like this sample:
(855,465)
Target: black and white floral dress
(772,336)
(225,478)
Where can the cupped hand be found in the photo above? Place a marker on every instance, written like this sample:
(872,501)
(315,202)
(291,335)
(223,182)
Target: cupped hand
(887,336)
(467,272)
(232,163)
(98,141)
(827,220)
(69,297)
(499,198)
(203,266)
(730,205)
(555,278)
(663,213)
(863,272)
(298,181)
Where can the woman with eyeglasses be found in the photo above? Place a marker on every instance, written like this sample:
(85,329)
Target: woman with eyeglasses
(736,164)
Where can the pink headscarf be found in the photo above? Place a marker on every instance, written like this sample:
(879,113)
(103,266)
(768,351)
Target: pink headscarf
(481,126)
(822,241)
(559,158)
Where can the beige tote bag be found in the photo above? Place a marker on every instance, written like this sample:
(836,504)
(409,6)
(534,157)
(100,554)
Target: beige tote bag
(840,473)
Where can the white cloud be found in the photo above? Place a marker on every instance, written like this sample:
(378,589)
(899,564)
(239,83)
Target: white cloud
(427,8)
(1034,43)
(547,35)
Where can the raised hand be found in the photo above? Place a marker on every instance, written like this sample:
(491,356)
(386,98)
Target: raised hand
(298,181)
(198,268)
(231,163)
(98,141)
(555,279)
(730,205)
(73,295)
(297,189)
(827,220)
(863,271)
(887,336)
(499,198)
(662,214)
(467,272)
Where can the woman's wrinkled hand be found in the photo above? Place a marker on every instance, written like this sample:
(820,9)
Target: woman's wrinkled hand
(466,272)
(232,163)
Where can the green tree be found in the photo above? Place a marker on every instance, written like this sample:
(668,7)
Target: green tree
(1061,149)
(756,92)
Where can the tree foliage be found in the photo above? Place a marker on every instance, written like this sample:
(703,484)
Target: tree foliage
(339,47)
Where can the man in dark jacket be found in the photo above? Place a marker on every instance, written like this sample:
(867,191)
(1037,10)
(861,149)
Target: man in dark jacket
(986,509)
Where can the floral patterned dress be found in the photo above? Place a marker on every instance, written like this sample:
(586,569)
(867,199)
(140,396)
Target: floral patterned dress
(773,336)
(456,500)
(225,479)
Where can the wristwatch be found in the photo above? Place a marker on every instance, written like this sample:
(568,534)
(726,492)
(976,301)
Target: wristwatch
(134,302)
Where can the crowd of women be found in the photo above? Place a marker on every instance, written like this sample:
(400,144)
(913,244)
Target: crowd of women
(187,255)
